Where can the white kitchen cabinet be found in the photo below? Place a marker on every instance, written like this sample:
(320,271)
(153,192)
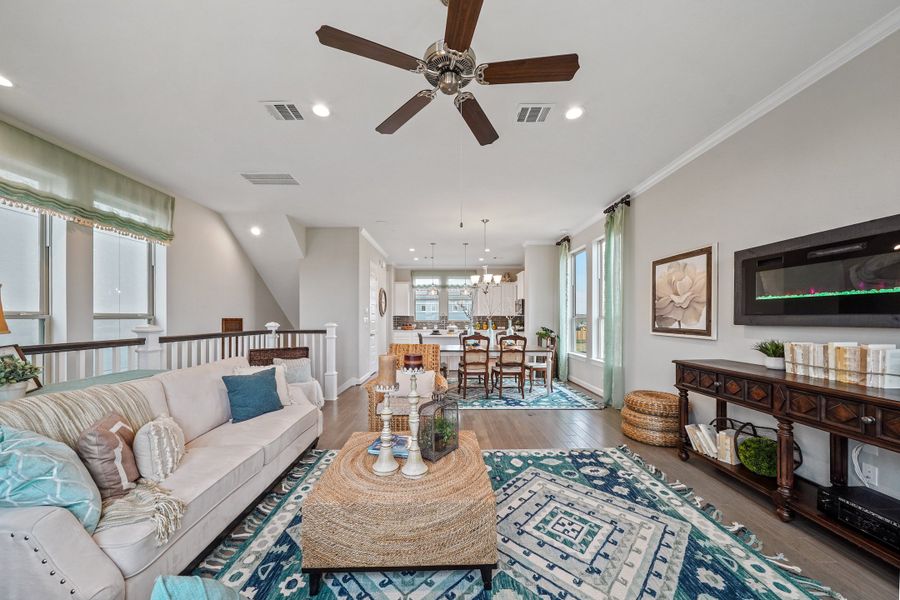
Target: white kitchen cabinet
(402,300)
(508,294)
(405,337)
(499,301)
(520,285)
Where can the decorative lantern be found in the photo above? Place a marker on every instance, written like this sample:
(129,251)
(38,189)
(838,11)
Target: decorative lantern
(438,428)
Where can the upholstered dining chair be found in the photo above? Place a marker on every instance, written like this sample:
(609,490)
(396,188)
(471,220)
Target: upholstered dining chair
(431,360)
(542,365)
(511,363)
(475,362)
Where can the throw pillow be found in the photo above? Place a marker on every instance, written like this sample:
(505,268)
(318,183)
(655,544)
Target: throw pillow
(298,370)
(252,395)
(38,471)
(424,384)
(105,449)
(281,381)
(158,448)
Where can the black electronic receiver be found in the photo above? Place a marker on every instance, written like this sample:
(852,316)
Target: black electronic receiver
(865,510)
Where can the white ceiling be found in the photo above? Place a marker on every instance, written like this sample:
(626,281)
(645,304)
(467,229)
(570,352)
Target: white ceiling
(169,91)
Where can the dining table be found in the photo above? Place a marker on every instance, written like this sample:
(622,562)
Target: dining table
(453,354)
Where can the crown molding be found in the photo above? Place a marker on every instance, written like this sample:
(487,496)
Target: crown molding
(375,244)
(866,39)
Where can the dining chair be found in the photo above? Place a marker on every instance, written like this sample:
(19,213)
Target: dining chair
(511,363)
(542,365)
(474,363)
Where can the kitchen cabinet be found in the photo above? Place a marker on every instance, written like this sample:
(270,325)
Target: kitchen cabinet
(500,300)
(520,285)
(405,337)
(402,299)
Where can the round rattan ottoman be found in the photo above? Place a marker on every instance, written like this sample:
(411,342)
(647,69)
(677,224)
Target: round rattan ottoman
(651,417)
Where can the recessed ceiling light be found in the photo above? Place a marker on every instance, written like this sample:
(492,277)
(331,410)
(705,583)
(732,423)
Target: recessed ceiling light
(320,110)
(480,259)
(574,113)
(415,258)
(487,249)
(4,82)
(412,249)
(256,230)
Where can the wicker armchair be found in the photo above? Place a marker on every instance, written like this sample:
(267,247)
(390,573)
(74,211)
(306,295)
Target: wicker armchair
(431,358)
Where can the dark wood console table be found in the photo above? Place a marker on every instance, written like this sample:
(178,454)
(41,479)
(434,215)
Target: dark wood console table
(845,411)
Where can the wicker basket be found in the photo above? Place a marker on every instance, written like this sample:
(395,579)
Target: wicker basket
(657,404)
(653,423)
(647,436)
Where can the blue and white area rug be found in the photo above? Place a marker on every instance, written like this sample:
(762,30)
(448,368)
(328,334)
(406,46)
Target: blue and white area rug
(571,525)
(563,397)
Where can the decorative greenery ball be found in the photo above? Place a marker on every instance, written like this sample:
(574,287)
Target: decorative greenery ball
(760,455)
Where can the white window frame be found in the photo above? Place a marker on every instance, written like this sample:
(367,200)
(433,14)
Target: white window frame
(574,316)
(150,315)
(443,290)
(598,306)
(43,313)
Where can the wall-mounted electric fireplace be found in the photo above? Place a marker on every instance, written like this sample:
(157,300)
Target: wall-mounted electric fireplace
(842,277)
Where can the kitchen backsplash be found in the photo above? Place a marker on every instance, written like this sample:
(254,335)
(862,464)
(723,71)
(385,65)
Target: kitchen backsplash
(444,322)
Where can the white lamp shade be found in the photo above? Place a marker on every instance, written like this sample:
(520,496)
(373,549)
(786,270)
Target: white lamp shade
(497,278)
(475,279)
(487,278)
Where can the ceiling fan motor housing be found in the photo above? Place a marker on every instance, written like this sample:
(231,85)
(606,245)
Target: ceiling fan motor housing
(449,70)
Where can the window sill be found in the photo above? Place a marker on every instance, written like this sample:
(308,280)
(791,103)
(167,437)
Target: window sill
(578,356)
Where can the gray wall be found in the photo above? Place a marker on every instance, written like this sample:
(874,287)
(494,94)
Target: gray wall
(826,158)
(541,289)
(209,276)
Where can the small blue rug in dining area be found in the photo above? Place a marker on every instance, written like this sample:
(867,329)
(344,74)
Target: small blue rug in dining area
(563,397)
(571,525)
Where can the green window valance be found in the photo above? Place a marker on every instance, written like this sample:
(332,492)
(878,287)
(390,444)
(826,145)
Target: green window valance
(41,176)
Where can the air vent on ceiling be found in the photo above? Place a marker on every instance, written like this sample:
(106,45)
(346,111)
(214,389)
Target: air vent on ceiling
(532,113)
(283,111)
(270,178)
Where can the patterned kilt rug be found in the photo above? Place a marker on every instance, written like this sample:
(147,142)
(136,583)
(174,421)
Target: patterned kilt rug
(581,524)
(562,397)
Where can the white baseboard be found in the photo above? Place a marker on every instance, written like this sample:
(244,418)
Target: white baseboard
(586,385)
(354,381)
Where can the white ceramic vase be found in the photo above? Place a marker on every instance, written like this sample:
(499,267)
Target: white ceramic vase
(774,362)
(13,391)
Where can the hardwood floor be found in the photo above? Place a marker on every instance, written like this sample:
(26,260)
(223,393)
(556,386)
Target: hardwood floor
(821,555)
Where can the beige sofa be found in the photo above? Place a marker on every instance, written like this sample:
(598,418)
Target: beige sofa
(46,553)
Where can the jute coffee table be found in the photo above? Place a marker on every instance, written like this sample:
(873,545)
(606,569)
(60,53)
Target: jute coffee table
(354,520)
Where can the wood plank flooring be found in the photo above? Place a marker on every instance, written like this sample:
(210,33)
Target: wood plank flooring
(821,555)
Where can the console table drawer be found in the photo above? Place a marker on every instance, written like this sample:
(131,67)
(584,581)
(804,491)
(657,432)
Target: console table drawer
(888,425)
(708,381)
(844,414)
(759,393)
(733,388)
(802,404)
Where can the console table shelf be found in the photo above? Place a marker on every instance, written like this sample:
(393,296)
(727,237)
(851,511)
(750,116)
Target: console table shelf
(845,411)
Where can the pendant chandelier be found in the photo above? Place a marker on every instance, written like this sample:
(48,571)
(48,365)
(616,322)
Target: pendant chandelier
(485,281)
(433,290)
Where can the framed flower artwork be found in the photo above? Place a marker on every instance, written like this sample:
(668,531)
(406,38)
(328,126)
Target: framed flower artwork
(684,294)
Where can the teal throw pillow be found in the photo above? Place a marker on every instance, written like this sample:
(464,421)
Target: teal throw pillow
(296,370)
(38,471)
(252,395)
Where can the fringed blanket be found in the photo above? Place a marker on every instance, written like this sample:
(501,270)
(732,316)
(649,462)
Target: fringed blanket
(62,416)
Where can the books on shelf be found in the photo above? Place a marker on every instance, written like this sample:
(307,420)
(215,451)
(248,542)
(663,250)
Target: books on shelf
(401,446)
(726,447)
(702,438)
(873,365)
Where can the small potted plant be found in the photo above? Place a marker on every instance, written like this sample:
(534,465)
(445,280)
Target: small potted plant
(444,433)
(543,334)
(14,376)
(773,350)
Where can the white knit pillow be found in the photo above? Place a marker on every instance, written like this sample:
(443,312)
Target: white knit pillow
(158,448)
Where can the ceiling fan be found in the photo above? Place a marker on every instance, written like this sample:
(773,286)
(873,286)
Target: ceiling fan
(449,65)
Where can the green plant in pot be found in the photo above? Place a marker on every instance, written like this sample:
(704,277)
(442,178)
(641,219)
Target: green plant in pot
(760,455)
(773,350)
(543,334)
(444,433)
(14,376)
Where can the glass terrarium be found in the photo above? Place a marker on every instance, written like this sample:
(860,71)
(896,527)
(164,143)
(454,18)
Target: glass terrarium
(438,428)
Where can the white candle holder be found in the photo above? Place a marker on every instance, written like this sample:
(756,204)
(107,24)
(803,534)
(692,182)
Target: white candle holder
(414,467)
(386,464)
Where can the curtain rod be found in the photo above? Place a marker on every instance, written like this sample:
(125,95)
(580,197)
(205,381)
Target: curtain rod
(562,241)
(626,200)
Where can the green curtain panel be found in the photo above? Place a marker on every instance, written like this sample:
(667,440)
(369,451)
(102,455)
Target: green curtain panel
(41,176)
(613,294)
(562,346)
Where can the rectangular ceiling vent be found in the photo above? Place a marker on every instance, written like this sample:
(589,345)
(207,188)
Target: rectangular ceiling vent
(283,111)
(532,113)
(270,178)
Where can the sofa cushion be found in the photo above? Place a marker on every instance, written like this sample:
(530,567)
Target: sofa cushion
(252,395)
(155,394)
(204,479)
(197,398)
(272,431)
(298,370)
(158,448)
(281,382)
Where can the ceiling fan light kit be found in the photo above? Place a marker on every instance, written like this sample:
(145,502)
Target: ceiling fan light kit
(449,65)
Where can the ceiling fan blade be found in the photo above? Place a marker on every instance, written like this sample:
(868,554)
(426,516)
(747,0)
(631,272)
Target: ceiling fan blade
(406,112)
(329,36)
(529,70)
(462,17)
(475,118)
